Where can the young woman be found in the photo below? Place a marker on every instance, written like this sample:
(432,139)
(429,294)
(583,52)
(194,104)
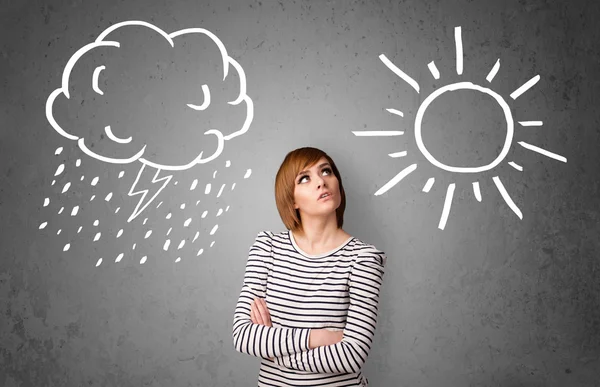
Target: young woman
(308,304)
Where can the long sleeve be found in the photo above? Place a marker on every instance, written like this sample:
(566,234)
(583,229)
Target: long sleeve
(255,339)
(350,354)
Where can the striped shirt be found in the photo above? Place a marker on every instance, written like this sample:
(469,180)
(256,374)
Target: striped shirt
(338,290)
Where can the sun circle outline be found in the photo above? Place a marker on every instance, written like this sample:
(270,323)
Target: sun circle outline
(468,86)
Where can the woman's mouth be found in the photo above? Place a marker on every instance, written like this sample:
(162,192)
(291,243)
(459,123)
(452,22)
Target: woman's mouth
(325,196)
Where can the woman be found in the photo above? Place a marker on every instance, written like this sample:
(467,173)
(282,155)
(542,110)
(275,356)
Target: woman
(308,304)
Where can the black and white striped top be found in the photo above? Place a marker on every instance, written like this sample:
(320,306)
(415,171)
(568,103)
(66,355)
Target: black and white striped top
(337,290)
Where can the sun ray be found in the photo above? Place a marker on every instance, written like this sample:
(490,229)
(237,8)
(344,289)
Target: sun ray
(506,197)
(493,71)
(434,71)
(399,72)
(396,179)
(543,151)
(447,205)
(397,112)
(459,50)
(378,133)
(526,86)
(516,166)
(429,184)
(531,123)
(397,154)
(477,191)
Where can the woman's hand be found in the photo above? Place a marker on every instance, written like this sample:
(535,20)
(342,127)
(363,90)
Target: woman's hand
(259,314)
(323,337)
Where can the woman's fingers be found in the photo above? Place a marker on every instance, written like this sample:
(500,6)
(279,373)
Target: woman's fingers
(262,312)
(268,313)
(257,313)
(252,313)
(259,310)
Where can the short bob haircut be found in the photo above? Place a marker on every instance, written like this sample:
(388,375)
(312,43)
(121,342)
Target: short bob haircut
(285,183)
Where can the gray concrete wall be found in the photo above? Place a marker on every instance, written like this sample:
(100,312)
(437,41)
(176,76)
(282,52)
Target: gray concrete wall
(489,300)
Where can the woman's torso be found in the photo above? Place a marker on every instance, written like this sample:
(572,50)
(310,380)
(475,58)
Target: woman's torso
(308,291)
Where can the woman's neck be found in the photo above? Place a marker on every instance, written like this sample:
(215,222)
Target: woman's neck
(319,235)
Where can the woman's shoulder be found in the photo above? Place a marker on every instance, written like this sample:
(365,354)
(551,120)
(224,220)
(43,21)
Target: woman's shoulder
(361,245)
(364,250)
(268,236)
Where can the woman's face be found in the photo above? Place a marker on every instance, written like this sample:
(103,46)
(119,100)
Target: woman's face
(313,182)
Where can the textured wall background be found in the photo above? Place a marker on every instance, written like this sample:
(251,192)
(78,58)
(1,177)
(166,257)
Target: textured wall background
(491,300)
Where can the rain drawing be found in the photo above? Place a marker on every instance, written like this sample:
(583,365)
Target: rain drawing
(160,130)
(508,141)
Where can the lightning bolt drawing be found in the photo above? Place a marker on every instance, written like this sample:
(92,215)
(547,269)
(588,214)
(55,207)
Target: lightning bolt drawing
(144,192)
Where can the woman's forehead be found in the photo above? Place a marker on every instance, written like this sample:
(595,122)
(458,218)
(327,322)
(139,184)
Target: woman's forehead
(317,164)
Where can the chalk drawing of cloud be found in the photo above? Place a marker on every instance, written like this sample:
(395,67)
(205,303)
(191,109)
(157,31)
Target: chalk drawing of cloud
(230,66)
(143,145)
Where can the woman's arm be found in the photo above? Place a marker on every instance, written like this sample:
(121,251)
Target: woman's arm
(259,314)
(349,355)
(260,340)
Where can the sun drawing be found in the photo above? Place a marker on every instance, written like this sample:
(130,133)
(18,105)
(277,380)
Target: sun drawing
(419,140)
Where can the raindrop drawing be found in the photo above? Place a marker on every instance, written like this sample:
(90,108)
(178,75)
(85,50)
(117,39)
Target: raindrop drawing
(508,141)
(144,190)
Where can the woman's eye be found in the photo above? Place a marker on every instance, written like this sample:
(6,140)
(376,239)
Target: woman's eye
(328,170)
